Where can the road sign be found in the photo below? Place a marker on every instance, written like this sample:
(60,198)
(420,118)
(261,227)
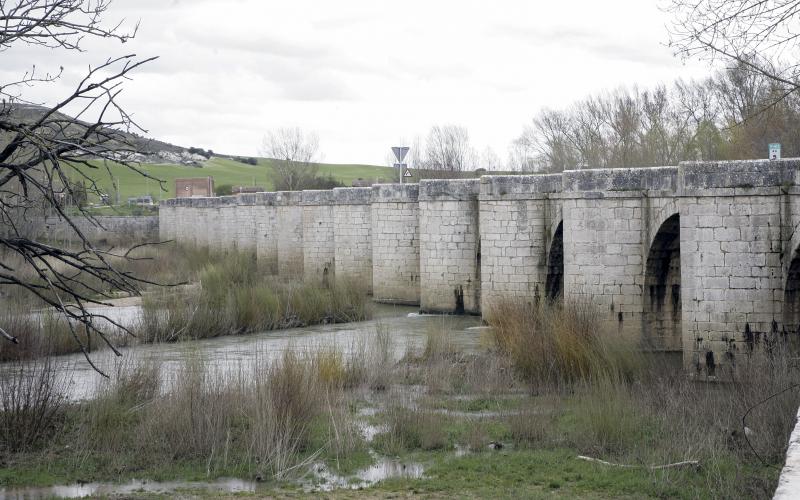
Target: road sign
(407,173)
(400,152)
(774,151)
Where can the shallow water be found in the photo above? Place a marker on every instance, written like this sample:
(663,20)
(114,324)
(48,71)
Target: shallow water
(234,354)
(324,479)
(82,490)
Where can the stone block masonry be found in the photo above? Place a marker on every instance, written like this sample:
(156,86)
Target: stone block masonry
(353,234)
(227,231)
(395,243)
(450,246)
(318,237)
(246,222)
(519,219)
(266,214)
(289,216)
(703,257)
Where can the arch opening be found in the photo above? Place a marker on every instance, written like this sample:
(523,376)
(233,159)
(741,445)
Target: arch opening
(791,297)
(662,289)
(554,285)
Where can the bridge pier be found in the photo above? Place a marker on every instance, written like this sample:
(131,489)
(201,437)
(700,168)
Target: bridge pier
(518,219)
(290,233)
(353,234)
(267,232)
(246,222)
(450,252)
(395,243)
(318,241)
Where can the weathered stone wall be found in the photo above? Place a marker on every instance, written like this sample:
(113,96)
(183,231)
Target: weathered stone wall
(290,233)
(450,250)
(107,229)
(605,239)
(227,231)
(266,215)
(395,243)
(353,234)
(518,219)
(733,225)
(167,221)
(318,237)
(246,222)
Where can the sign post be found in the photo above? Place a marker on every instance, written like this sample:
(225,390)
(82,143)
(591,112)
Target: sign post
(775,151)
(400,153)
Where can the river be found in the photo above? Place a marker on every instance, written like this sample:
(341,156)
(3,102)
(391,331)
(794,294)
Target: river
(407,330)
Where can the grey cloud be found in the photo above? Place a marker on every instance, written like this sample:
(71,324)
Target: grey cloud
(623,48)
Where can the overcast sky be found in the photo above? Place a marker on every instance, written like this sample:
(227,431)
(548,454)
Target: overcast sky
(366,75)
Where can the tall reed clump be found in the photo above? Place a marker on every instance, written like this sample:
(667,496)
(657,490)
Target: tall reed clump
(32,403)
(255,422)
(235,297)
(555,343)
(39,333)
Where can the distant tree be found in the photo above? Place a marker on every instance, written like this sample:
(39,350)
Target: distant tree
(759,36)
(294,153)
(448,152)
(489,159)
(41,151)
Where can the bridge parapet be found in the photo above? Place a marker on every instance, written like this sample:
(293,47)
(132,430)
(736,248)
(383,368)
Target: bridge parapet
(610,180)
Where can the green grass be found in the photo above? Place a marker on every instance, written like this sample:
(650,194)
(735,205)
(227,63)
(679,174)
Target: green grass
(223,170)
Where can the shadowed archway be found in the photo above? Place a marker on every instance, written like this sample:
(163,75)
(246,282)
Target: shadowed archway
(662,289)
(554,286)
(791,297)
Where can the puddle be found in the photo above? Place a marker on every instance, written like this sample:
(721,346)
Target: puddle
(477,414)
(83,490)
(369,431)
(383,468)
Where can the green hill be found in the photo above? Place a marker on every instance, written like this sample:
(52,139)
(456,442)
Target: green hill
(223,170)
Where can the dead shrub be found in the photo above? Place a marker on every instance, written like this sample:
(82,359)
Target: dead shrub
(559,343)
(32,404)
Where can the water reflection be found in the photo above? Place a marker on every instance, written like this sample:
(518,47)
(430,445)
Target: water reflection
(83,490)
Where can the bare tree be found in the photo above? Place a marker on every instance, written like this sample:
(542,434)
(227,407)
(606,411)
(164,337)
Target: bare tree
(489,159)
(759,35)
(41,151)
(448,152)
(294,153)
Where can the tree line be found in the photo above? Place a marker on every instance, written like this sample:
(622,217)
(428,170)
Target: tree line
(733,114)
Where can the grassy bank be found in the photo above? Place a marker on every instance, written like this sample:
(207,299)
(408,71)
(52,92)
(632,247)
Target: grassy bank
(480,424)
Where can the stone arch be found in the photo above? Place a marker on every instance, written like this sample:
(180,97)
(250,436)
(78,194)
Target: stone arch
(661,304)
(554,284)
(659,215)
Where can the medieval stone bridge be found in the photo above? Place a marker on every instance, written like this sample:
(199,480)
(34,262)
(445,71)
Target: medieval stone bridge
(701,258)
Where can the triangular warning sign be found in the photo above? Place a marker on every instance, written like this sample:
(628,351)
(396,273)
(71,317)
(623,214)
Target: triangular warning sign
(407,173)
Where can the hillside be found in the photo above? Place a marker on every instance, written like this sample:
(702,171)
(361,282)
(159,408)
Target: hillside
(223,170)
(29,113)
